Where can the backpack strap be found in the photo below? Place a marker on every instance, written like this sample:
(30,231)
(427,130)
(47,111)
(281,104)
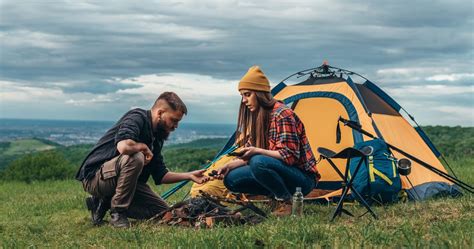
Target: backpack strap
(393,159)
(373,171)
(394,168)
(381,175)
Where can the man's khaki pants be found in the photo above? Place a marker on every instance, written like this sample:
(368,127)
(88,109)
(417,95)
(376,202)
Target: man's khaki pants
(117,180)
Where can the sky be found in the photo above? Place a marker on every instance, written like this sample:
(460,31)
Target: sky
(94,60)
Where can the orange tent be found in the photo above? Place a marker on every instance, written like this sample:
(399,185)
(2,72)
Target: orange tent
(329,93)
(326,95)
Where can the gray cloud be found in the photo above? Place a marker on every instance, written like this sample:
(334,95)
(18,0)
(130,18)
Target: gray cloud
(96,87)
(86,45)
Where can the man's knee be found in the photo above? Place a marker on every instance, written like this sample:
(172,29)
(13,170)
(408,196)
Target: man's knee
(136,160)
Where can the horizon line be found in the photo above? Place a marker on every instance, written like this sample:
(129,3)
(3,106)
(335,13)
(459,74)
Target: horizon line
(92,120)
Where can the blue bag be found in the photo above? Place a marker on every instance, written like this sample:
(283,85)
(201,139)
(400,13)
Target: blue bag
(378,179)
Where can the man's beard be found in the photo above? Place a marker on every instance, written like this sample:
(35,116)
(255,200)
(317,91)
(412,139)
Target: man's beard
(161,131)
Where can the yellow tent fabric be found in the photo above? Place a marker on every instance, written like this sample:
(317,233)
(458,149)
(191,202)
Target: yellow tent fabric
(414,146)
(319,102)
(320,105)
(214,187)
(320,116)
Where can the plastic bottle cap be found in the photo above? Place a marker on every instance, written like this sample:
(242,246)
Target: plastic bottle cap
(298,189)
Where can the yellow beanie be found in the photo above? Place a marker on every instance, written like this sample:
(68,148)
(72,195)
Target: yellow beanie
(255,79)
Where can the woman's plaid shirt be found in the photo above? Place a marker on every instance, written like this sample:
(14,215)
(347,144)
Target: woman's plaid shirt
(287,136)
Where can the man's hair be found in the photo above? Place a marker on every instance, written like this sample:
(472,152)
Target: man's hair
(173,101)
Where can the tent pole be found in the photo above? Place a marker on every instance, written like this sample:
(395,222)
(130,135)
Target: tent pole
(442,156)
(413,187)
(448,177)
(358,127)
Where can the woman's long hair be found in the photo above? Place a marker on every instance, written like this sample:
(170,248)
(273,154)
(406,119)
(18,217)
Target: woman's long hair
(253,126)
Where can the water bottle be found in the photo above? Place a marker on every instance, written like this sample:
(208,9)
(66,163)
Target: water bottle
(297,205)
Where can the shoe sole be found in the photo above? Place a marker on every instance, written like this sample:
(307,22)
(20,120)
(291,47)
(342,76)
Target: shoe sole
(120,226)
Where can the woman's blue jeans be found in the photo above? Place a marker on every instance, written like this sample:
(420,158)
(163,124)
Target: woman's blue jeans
(269,176)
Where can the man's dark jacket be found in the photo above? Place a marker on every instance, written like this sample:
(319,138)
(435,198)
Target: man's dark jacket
(136,125)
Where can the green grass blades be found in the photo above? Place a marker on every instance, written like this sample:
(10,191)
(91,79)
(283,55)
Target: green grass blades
(53,214)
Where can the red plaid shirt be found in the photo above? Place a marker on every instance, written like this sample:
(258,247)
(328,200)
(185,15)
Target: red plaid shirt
(288,137)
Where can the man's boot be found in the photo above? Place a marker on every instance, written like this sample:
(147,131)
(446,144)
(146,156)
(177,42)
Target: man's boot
(98,208)
(119,219)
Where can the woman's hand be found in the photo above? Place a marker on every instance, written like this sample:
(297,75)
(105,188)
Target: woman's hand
(224,170)
(250,151)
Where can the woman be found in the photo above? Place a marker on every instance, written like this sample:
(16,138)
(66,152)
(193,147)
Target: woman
(277,157)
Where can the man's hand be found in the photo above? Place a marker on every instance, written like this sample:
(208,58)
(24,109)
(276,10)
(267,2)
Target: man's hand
(129,147)
(148,155)
(198,176)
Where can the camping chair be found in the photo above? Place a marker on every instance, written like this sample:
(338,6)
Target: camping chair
(347,154)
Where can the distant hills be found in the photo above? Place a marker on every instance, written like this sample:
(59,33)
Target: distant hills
(30,160)
(454,142)
(11,150)
(176,154)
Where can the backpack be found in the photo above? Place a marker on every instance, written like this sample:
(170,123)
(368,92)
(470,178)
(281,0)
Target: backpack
(377,180)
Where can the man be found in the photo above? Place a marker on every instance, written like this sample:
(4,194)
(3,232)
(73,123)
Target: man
(115,172)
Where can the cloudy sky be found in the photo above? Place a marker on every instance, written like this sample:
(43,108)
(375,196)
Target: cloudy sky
(94,60)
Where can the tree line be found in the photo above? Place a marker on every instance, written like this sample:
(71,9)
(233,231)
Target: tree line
(63,163)
(456,143)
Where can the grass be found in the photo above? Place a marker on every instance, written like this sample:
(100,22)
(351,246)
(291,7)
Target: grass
(52,214)
(24,146)
(9,151)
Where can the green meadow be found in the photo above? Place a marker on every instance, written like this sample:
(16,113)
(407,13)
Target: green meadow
(52,214)
(11,150)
